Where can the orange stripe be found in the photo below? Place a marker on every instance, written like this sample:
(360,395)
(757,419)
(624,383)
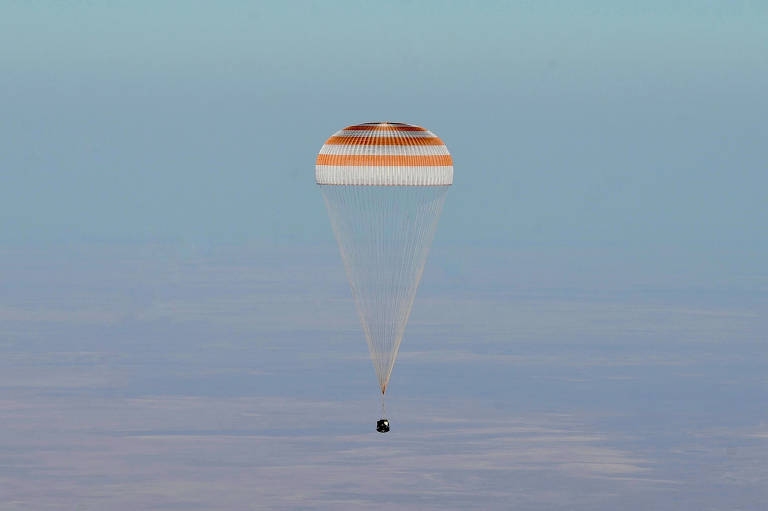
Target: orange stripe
(384,127)
(384,160)
(415,141)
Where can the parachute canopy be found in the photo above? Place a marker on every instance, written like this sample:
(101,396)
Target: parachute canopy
(385,154)
(384,185)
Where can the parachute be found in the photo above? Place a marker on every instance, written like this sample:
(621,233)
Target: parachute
(384,185)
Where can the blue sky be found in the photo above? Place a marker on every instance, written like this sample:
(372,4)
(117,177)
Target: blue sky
(596,123)
(176,330)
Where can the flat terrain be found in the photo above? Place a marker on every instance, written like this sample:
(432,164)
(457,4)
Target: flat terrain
(148,378)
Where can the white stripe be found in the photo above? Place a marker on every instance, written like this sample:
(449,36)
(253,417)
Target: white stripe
(386,150)
(383,176)
(384,133)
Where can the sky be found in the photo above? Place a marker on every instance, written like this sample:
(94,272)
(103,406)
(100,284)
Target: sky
(592,123)
(176,327)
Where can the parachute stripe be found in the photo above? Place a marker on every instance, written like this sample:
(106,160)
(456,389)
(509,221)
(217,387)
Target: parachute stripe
(369,133)
(385,127)
(386,150)
(365,140)
(383,176)
(385,160)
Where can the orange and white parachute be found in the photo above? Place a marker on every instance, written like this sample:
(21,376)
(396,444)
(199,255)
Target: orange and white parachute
(384,153)
(384,185)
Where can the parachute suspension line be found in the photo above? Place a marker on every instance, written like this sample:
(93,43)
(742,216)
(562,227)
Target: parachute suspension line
(383,407)
(416,232)
(384,234)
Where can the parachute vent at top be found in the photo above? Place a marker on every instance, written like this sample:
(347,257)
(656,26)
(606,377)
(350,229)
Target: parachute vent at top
(384,154)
